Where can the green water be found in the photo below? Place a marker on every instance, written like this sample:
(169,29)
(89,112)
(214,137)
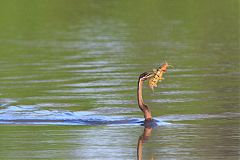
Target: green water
(83,58)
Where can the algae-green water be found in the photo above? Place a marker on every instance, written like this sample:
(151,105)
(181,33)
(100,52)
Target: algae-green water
(69,71)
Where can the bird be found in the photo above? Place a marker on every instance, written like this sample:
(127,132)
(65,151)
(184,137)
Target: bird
(149,121)
(144,108)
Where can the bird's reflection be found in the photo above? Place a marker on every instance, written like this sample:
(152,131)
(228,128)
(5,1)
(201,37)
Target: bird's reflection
(142,139)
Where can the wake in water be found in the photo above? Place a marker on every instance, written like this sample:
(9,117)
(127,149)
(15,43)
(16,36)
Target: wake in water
(33,115)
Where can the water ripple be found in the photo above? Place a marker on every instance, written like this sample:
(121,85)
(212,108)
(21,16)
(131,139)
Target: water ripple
(32,115)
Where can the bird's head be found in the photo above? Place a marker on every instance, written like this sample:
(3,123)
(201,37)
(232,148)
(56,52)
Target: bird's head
(144,76)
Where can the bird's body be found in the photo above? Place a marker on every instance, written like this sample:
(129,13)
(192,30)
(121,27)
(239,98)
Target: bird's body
(153,80)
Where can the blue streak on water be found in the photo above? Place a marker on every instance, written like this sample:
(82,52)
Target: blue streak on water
(31,115)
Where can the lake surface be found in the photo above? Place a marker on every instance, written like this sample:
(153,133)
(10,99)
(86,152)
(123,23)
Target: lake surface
(69,72)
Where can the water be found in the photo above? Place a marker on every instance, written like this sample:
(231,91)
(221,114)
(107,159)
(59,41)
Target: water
(69,72)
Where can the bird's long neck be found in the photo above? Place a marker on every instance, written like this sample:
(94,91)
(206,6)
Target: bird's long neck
(142,106)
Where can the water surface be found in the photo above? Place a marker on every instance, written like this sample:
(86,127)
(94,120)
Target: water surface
(69,72)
